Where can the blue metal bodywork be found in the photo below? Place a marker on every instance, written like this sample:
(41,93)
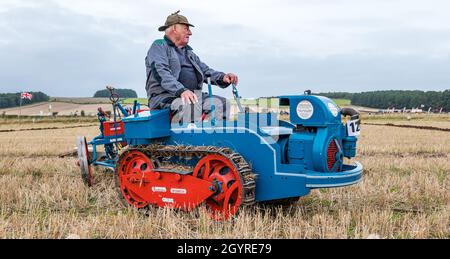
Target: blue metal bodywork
(289,158)
(110,158)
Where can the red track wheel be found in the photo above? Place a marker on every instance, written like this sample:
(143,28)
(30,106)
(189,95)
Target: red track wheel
(133,170)
(223,173)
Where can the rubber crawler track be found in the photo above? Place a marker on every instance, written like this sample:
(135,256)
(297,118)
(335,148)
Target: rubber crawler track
(156,152)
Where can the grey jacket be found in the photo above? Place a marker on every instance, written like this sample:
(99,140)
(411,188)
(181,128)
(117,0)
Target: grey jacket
(163,72)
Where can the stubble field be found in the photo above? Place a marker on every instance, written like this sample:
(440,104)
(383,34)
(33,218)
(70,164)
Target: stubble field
(405,193)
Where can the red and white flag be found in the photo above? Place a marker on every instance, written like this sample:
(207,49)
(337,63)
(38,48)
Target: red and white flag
(26,95)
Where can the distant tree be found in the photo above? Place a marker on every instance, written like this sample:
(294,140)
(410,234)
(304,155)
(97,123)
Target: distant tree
(123,93)
(401,99)
(446,100)
(397,99)
(10,100)
(338,95)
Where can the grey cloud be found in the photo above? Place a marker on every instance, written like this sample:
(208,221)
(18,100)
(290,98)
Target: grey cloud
(340,73)
(409,41)
(63,53)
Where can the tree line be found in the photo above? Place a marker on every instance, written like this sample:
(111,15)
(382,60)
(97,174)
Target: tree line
(11,100)
(123,93)
(397,99)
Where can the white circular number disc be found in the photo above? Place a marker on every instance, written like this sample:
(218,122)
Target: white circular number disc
(305,110)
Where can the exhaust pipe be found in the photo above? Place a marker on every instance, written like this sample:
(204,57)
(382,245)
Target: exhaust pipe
(353,113)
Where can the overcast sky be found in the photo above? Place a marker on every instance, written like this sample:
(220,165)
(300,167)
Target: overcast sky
(75,47)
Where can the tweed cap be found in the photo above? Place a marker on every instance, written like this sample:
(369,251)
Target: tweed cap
(173,19)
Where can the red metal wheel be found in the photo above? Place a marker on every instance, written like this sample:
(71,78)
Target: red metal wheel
(83,161)
(223,173)
(134,168)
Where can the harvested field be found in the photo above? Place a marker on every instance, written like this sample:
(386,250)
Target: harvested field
(417,118)
(408,126)
(63,109)
(418,121)
(404,194)
(38,127)
(81,100)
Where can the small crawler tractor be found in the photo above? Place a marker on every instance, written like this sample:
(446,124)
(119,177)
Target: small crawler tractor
(225,165)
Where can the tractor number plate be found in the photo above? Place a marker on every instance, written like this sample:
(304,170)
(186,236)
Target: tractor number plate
(354,128)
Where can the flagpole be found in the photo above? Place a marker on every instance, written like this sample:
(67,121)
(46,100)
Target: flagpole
(20,106)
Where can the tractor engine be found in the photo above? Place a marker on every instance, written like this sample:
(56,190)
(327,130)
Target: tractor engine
(319,140)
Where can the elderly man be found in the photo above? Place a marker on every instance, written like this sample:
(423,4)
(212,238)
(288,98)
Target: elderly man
(175,75)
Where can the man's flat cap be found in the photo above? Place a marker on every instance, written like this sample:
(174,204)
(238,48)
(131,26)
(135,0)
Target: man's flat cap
(173,19)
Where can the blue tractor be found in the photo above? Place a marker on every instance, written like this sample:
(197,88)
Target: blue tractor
(226,165)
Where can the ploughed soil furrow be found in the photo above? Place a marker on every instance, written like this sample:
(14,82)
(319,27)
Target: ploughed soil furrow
(408,126)
(50,128)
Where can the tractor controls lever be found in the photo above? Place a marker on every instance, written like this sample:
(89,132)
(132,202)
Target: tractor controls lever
(114,97)
(213,108)
(237,98)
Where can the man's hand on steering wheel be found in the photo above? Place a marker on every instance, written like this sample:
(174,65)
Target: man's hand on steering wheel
(231,78)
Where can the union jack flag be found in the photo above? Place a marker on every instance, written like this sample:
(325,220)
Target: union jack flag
(25,95)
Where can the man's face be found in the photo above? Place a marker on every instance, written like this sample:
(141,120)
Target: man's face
(182,33)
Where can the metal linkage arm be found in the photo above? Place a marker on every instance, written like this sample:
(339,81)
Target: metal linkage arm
(237,98)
